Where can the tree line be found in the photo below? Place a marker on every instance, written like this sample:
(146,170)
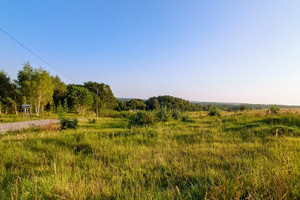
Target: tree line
(44,92)
(41,91)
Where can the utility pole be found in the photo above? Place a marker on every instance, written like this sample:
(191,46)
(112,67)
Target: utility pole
(97,103)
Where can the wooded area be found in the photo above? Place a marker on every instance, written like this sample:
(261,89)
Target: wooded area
(43,91)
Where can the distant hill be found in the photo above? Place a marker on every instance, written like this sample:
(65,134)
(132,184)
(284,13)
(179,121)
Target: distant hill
(235,106)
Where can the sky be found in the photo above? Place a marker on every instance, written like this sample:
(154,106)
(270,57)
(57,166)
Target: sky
(245,51)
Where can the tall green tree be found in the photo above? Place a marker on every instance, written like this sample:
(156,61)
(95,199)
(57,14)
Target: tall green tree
(25,82)
(79,98)
(136,104)
(36,85)
(4,85)
(152,103)
(43,89)
(5,88)
(9,94)
(60,91)
(106,98)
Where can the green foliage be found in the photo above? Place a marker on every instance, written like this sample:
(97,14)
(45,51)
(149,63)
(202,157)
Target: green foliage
(152,103)
(121,106)
(214,111)
(62,110)
(136,104)
(106,98)
(36,85)
(59,91)
(274,110)
(141,118)
(9,95)
(176,114)
(163,114)
(11,105)
(123,114)
(4,85)
(170,103)
(79,98)
(68,123)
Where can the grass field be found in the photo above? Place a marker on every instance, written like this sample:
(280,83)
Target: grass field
(237,156)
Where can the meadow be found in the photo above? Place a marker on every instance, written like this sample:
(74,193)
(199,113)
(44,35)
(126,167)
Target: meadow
(239,155)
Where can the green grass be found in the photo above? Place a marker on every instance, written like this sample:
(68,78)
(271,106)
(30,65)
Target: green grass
(237,156)
(8,118)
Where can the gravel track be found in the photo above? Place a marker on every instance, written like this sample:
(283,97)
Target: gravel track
(25,124)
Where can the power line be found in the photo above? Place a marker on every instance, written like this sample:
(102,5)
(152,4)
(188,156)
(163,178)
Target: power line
(44,61)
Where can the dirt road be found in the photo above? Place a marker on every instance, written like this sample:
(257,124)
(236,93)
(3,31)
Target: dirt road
(26,124)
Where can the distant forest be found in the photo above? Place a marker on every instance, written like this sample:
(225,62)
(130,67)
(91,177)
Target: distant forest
(43,92)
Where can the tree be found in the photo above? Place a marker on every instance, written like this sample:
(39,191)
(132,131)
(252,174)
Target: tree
(9,94)
(4,85)
(152,103)
(5,88)
(121,106)
(60,90)
(43,89)
(136,104)
(25,83)
(36,85)
(79,98)
(102,95)
(11,105)
(214,111)
(170,103)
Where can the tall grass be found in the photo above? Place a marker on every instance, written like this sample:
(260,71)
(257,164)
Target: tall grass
(236,156)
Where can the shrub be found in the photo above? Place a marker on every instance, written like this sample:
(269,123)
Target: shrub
(92,121)
(163,114)
(214,111)
(141,118)
(68,123)
(274,110)
(176,114)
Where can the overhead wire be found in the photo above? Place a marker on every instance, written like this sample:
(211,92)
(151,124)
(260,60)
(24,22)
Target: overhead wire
(37,56)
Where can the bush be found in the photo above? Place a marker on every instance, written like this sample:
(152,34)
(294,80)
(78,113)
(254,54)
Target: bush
(274,110)
(141,118)
(163,114)
(92,121)
(68,123)
(176,114)
(214,111)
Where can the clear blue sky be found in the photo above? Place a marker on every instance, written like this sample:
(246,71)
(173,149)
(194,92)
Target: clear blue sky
(225,51)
